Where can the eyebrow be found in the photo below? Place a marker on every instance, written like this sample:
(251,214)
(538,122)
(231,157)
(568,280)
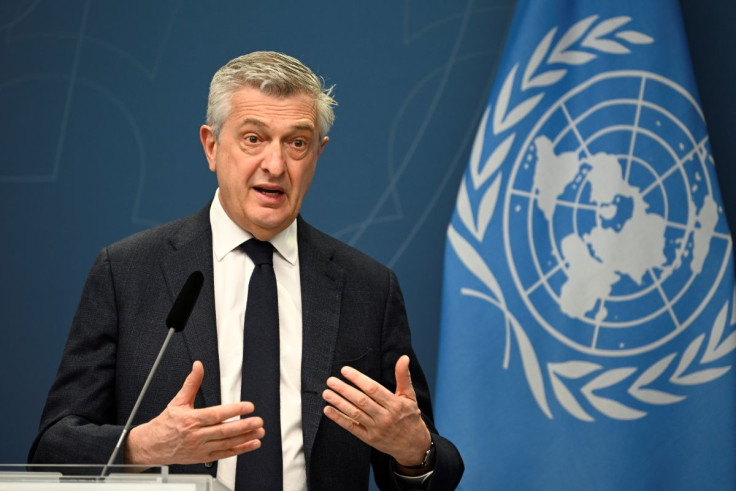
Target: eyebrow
(254,122)
(260,124)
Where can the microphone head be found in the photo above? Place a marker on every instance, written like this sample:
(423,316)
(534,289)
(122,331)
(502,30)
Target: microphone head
(184,303)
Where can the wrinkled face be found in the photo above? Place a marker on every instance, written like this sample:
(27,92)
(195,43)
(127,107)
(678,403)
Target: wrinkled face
(265,158)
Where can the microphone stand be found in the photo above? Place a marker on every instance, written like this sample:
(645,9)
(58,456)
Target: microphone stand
(128,423)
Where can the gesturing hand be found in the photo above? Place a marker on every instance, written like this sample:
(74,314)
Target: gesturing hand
(184,435)
(389,422)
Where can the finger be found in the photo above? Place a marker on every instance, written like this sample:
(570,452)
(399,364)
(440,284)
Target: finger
(237,450)
(235,441)
(403,378)
(354,413)
(231,429)
(368,386)
(215,415)
(356,397)
(345,422)
(188,391)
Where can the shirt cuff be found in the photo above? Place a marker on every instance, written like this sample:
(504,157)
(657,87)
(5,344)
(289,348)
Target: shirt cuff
(414,482)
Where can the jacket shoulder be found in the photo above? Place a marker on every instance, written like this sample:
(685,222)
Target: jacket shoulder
(347,257)
(166,237)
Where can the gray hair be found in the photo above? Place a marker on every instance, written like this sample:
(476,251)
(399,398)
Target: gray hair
(274,74)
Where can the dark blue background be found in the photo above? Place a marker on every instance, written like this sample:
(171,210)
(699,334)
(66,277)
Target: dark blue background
(101,102)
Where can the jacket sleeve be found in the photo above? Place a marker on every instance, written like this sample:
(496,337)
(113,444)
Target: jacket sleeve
(396,341)
(79,422)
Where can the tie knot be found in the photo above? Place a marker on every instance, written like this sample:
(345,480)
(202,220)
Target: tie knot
(259,251)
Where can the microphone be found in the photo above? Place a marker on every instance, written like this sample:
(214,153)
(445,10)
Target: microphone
(175,321)
(184,303)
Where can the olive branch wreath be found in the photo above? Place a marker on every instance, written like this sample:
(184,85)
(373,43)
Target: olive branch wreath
(548,65)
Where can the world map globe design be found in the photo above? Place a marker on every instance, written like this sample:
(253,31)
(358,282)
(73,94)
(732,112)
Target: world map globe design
(610,216)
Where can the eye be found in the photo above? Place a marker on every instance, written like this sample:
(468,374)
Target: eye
(298,147)
(252,138)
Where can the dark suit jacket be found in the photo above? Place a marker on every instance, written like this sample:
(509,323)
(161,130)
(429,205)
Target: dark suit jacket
(353,313)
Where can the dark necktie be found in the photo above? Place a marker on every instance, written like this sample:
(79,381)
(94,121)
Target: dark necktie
(260,470)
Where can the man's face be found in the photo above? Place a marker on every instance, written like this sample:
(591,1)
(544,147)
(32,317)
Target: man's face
(265,158)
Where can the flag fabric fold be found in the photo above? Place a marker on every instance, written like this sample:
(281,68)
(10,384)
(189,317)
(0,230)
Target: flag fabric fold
(588,317)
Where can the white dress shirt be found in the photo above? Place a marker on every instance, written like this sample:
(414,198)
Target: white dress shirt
(232,270)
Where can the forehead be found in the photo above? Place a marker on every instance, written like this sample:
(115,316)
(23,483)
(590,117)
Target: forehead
(250,104)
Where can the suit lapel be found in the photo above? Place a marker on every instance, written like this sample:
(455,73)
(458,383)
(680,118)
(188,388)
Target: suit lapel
(192,251)
(321,281)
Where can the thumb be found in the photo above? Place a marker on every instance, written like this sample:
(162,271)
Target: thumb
(188,391)
(403,378)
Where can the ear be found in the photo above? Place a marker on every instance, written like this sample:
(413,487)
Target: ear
(323,144)
(209,144)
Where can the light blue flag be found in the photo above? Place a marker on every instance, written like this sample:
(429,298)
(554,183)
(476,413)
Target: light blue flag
(587,337)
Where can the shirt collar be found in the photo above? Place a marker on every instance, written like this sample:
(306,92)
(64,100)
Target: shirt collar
(227,235)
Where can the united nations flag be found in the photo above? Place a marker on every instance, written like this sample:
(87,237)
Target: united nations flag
(588,336)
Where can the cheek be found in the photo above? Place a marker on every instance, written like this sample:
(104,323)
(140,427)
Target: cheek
(303,179)
(234,172)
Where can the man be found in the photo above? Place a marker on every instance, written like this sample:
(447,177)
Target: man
(348,390)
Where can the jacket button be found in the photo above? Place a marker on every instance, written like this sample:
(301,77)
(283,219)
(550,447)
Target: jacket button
(209,465)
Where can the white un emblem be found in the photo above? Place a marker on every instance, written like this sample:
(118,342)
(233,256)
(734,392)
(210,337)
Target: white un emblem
(614,242)
(610,215)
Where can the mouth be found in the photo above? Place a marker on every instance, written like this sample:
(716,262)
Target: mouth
(269,191)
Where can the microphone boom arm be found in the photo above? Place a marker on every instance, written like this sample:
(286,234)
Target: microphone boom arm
(128,423)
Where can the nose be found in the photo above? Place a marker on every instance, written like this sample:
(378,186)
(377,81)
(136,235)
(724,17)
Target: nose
(274,162)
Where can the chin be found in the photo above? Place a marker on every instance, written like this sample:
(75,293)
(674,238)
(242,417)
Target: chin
(272,226)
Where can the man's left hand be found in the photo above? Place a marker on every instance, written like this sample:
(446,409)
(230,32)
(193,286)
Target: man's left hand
(389,422)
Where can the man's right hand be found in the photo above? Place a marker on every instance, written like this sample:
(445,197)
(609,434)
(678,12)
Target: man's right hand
(184,435)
